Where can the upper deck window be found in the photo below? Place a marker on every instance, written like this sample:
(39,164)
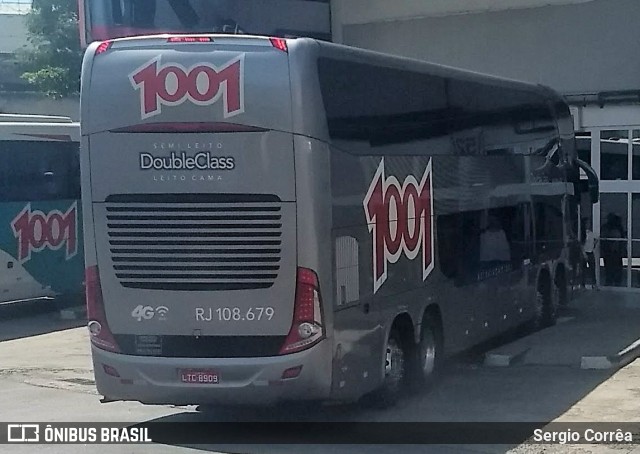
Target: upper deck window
(375,109)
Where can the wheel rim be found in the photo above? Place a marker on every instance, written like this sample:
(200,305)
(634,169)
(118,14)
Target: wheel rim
(428,353)
(393,364)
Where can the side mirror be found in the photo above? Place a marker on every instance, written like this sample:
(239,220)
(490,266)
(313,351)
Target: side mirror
(50,182)
(593,184)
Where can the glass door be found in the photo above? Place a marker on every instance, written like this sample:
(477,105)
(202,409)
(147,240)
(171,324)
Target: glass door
(613,239)
(615,155)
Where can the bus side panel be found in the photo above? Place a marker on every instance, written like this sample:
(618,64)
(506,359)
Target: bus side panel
(41,249)
(358,325)
(313,233)
(374,284)
(87,211)
(478,294)
(85,162)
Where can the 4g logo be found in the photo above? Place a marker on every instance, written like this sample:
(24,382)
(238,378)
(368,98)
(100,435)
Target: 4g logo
(36,231)
(400,219)
(202,84)
(147,312)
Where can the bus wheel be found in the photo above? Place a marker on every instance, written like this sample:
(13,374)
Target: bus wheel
(394,372)
(426,359)
(546,311)
(561,294)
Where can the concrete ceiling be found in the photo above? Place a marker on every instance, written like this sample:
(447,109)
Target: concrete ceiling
(351,12)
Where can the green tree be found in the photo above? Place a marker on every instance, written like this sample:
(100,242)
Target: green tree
(52,61)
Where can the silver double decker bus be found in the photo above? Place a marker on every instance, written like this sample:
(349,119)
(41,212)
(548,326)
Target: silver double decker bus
(271,219)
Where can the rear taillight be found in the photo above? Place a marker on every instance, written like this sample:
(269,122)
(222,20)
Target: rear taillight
(103,47)
(280,44)
(101,335)
(307,327)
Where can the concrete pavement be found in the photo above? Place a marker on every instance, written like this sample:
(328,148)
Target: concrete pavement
(58,359)
(598,330)
(615,400)
(45,374)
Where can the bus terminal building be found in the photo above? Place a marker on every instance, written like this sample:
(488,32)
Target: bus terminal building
(584,49)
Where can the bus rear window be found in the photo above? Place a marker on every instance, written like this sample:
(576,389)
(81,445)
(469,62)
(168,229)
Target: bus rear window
(39,170)
(108,19)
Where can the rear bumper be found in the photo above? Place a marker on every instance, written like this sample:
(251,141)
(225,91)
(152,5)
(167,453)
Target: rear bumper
(243,381)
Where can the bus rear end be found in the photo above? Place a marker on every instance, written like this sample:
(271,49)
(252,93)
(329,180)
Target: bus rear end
(194,291)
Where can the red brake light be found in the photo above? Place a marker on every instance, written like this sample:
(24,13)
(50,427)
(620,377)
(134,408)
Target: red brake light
(280,44)
(103,47)
(101,335)
(190,39)
(307,326)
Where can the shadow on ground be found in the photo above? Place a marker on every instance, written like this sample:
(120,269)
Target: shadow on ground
(466,393)
(32,319)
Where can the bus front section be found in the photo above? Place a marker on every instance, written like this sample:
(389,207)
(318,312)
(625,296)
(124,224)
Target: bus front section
(195,293)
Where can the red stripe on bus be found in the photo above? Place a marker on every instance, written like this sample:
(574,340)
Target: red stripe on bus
(170,127)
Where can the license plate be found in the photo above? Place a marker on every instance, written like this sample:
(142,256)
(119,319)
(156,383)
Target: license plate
(198,376)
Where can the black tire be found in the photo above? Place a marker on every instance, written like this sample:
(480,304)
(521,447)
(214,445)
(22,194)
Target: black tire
(394,369)
(546,306)
(561,290)
(426,359)
(551,307)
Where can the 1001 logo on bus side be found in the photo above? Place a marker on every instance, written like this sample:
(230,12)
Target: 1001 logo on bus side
(36,231)
(400,219)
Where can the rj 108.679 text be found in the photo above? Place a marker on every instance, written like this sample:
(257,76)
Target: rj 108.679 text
(234,314)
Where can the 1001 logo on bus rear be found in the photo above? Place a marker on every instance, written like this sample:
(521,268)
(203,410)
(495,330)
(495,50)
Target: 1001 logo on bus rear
(202,84)
(36,231)
(400,219)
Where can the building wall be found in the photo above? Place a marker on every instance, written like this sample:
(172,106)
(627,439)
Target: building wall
(12,33)
(368,11)
(585,47)
(15,94)
(37,103)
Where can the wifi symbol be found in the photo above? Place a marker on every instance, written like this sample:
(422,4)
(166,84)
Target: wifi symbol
(162,311)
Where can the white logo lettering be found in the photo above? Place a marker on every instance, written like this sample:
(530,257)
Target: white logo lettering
(400,219)
(202,84)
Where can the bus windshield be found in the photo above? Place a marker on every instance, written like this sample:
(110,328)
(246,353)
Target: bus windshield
(107,19)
